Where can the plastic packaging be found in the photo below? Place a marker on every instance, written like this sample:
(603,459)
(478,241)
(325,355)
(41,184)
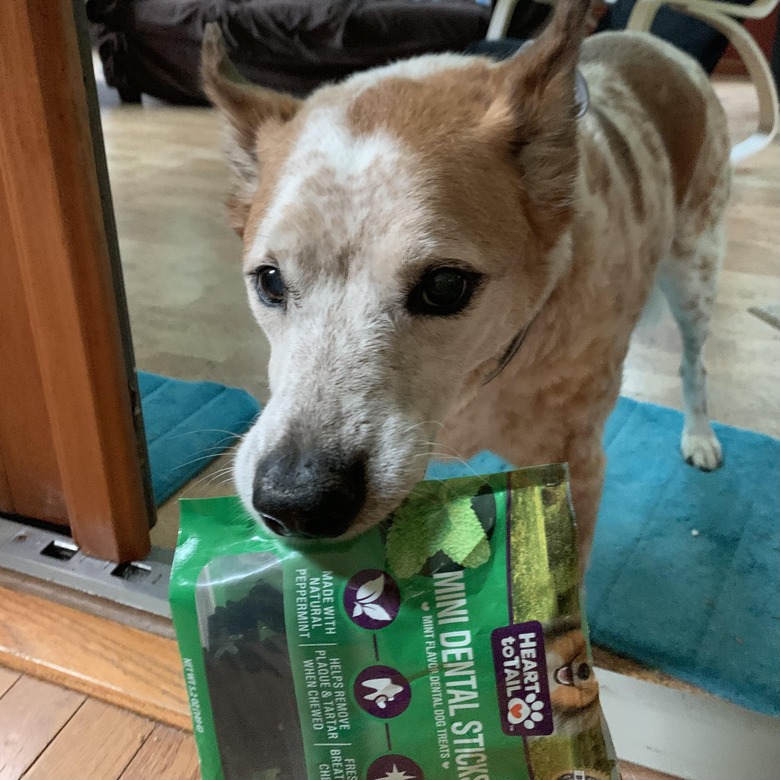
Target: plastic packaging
(445,645)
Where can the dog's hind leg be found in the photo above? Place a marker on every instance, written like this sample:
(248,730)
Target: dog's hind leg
(688,278)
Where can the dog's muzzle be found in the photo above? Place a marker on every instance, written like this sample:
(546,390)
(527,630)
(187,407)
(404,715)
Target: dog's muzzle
(309,494)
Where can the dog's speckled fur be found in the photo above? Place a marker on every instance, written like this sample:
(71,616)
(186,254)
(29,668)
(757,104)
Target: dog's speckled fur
(354,192)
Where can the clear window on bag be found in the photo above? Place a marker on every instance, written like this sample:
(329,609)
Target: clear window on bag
(240,606)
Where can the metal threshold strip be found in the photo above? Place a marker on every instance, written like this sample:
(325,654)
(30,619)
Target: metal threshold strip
(54,558)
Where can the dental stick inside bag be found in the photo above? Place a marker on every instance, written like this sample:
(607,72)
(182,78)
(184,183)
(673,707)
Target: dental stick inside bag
(447,644)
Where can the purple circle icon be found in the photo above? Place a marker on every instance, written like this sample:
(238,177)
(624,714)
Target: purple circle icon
(394,768)
(372,599)
(382,691)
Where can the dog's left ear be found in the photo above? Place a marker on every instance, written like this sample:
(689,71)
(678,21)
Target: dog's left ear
(535,109)
(246,108)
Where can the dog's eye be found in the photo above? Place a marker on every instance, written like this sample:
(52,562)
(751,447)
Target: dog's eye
(442,291)
(270,285)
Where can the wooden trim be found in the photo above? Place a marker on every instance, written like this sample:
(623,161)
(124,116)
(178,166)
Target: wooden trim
(33,485)
(112,241)
(5,488)
(117,664)
(53,198)
(103,608)
(731,66)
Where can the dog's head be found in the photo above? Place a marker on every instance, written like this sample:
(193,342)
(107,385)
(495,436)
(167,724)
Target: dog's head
(399,230)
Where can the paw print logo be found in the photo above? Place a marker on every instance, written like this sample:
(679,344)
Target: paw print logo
(526,711)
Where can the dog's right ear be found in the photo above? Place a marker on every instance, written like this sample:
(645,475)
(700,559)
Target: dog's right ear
(535,112)
(246,109)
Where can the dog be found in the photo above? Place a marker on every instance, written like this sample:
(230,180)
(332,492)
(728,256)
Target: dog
(574,691)
(447,255)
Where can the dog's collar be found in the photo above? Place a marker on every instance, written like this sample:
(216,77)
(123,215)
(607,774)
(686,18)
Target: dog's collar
(581,94)
(510,351)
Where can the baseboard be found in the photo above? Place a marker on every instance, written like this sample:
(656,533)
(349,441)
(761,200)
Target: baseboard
(692,736)
(125,666)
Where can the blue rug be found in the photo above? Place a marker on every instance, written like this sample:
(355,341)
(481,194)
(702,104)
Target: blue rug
(188,424)
(685,571)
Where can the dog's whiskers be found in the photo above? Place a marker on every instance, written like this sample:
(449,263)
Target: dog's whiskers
(207,456)
(435,452)
(228,434)
(209,479)
(421,424)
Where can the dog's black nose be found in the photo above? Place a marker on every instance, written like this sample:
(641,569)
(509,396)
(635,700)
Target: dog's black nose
(309,494)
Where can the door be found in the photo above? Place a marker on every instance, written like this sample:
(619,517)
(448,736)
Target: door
(72,450)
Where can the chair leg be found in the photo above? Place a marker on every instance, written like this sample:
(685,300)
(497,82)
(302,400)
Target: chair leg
(776,56)
(768,111)
(758,68)
(499,21)
(643,15)
(760,75)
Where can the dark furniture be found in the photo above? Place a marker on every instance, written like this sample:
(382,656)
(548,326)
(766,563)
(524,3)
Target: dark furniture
(153,46)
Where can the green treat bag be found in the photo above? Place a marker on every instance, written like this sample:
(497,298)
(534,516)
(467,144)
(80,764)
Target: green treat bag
(447,644)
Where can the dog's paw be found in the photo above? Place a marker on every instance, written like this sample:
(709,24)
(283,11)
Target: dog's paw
(702,450)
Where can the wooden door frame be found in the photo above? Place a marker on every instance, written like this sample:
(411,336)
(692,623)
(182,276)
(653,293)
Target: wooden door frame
(55,205)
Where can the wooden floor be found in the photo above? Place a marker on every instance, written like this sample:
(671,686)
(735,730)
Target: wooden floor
(51,733)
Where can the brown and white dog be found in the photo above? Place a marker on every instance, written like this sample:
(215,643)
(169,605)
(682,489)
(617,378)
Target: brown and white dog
(403,231)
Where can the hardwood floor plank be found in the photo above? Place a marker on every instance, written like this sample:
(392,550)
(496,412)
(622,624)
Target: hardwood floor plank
(168,754)
(32,713)
(97,743)
(118,664)
(7,679)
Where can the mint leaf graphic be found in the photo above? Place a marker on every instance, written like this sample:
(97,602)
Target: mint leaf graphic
(371,591)
(376,612)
